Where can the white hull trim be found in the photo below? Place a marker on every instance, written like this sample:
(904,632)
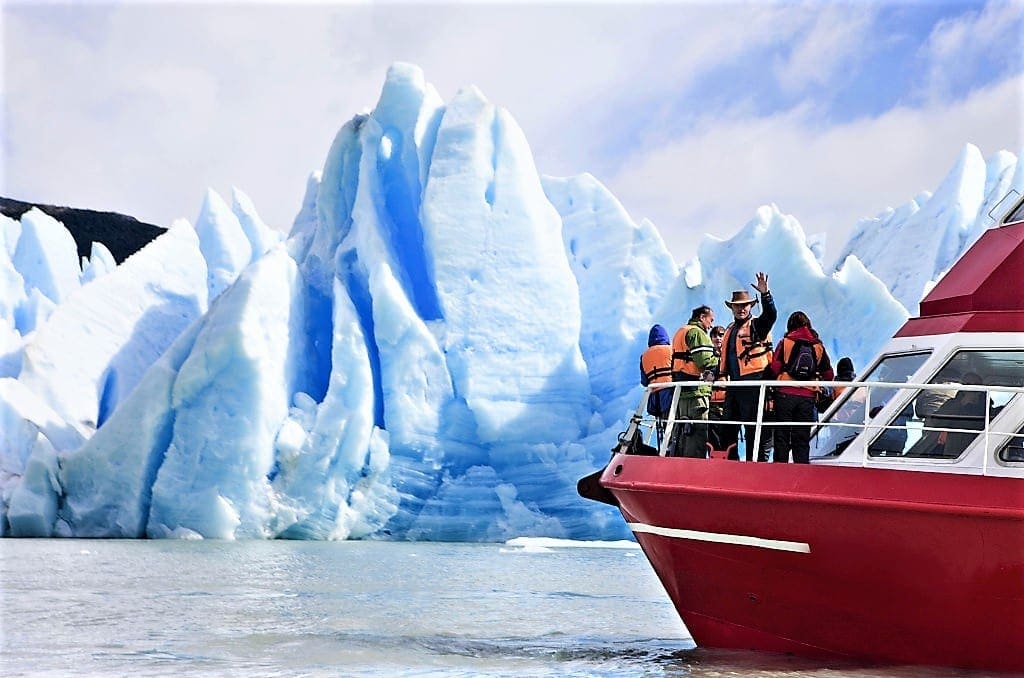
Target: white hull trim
(739,539)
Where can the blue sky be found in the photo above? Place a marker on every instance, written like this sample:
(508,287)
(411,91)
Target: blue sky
(692,113)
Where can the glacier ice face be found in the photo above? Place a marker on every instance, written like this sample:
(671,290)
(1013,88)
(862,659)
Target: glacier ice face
(223,242)
(442,346)
(46,257)
(260,236)
(132,314)
(229,399)
(934,228)
(623,271)
(99,263)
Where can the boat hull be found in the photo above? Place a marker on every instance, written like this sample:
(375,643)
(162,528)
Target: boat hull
(833,561)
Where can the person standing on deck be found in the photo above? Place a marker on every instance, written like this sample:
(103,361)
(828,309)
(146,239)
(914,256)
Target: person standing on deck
(800,356)
(717,411)
(844,372)
(693,359)
(656,368)
(746,352)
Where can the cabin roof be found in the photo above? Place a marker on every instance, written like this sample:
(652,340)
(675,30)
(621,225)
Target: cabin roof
(981,293)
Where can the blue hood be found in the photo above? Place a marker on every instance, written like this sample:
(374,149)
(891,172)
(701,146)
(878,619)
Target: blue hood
(658,336)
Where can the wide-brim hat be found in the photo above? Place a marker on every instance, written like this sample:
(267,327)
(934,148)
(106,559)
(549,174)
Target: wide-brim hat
(741,298)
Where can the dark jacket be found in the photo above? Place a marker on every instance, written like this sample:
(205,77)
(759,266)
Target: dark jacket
(762,326)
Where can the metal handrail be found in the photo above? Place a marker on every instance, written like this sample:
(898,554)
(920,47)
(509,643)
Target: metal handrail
(670,422)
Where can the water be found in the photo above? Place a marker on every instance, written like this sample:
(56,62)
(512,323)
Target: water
(279,608)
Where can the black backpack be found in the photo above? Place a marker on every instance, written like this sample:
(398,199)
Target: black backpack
(803,361)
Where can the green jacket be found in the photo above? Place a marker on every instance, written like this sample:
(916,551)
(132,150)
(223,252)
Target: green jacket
(702,352)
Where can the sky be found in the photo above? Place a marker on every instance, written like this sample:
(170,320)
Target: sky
(692,113)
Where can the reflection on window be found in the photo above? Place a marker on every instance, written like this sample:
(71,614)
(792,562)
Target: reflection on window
(1016,215)
(916,432)
(1013,450)
(831,440)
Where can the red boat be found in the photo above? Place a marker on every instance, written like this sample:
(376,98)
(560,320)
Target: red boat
(903,540)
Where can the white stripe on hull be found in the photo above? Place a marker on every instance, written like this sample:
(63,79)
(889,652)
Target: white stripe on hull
(742,540)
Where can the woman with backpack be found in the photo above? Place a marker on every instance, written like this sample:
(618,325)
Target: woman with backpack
(800,356)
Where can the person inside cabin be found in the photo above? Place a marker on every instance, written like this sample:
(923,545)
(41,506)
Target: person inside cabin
(965,410)
(746,352)
(800,356)
(693,359)
(928,401)
(717,411)
(656,368)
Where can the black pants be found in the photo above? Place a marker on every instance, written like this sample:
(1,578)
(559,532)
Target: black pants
(796,438)
(741,405)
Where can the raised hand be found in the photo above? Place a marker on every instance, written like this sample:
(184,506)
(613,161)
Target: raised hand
(762,282)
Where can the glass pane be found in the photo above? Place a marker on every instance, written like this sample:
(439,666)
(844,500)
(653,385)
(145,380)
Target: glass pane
(1013,450)
(1016,215)
(831,440)
(911,433)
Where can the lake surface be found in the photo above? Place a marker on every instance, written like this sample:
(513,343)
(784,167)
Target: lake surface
(285,608)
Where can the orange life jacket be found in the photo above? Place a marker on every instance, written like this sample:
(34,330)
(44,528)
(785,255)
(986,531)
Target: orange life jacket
(718,394)
(656,363)
(683,365)
(753,356)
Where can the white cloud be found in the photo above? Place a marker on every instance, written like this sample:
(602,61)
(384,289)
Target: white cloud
(958,47)
(836,37)
(713,179)
(164,101)
(141,108)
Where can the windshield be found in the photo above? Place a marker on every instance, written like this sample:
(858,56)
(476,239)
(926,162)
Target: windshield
(916,431)
(830,440)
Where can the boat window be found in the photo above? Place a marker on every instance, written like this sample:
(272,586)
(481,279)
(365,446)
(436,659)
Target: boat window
(845,421)
(1017,214)
(914,431)
(1013,451)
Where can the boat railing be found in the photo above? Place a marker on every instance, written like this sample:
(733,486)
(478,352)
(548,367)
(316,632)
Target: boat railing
(847,417)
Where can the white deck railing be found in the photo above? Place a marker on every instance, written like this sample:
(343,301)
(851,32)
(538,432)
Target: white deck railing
(894,407)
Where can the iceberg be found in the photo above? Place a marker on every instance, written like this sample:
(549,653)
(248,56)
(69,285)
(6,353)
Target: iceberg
(441,346)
